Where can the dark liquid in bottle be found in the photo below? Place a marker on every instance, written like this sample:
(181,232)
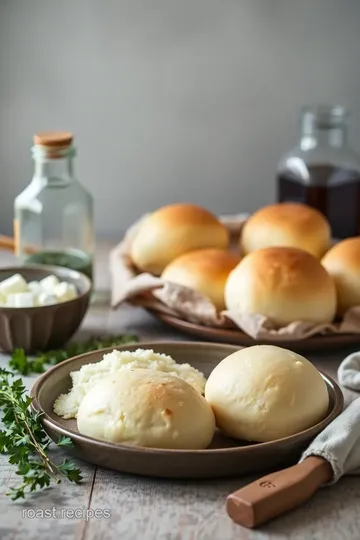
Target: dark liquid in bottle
(74,259)
(334,192)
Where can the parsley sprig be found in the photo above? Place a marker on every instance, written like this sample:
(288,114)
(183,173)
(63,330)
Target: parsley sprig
(21,363)
(26,443)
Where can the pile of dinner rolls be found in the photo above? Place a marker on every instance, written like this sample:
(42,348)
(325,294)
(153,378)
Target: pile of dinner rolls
(283,267)
(259,394)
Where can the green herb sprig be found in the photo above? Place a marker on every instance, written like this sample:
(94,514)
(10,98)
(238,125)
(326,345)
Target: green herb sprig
(21,363)
(23,438)
(26,443)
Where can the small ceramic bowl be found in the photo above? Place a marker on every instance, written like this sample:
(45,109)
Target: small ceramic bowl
(47,327)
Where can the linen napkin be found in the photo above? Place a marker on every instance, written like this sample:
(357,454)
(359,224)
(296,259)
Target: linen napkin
(349,372)
(339,443)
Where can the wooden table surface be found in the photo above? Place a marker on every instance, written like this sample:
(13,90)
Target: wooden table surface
(135,508)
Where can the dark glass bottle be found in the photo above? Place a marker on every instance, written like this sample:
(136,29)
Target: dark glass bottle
(323,171)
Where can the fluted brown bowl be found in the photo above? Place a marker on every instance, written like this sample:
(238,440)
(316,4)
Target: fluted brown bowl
(47,327)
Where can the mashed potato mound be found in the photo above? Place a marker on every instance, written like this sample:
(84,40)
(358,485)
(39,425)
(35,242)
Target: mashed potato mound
(67,405)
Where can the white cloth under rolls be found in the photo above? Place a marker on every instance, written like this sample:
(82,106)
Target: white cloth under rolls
(339,443)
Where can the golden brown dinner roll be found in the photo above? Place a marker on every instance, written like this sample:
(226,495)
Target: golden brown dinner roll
(263,393)
(343,264)
(173,230)
(283,284)
(204,271)
(145,407)
(287,224)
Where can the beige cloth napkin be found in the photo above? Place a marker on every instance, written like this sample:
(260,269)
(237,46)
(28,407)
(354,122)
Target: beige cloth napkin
(349,372)
(153,293)
(339,443)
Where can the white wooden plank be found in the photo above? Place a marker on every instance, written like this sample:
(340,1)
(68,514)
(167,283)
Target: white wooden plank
(173,510)
(43,515)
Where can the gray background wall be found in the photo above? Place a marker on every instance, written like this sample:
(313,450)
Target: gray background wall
(170,99)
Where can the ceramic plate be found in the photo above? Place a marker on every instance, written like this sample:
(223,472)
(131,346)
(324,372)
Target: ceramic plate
(237,337)
(224,457)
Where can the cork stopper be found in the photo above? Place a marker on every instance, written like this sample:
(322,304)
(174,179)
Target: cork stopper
(53,139)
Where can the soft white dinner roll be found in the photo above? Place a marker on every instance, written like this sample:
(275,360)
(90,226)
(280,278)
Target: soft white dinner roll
(144,407)
(173,230)
(263,393)
(342,262)
(283,284)
(287,224)
(204,271)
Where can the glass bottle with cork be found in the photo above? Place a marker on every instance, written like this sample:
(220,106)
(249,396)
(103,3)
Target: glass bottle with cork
(323,171)
(53,222)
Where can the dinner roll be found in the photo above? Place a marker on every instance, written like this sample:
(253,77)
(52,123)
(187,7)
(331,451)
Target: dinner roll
(263,393)
(287,224)
(173,230)
(144,407)
(343,264)
(204,271)
(283,284)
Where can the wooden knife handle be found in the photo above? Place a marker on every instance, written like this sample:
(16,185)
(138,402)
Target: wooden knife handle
(278,492)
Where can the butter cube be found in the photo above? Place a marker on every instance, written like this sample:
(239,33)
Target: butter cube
(34,287)
(13,284)
(65,291)
(20,300)
(48,284)
(46,299)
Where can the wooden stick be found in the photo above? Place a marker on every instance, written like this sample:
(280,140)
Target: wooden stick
(8,243)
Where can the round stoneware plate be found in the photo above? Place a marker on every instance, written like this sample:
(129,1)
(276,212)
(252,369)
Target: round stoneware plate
(237,337)
(224,457)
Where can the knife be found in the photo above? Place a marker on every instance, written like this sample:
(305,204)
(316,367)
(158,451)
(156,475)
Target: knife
(277,493)
(333,453)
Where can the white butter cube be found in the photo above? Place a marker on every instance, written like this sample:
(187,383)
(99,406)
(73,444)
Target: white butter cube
(20,300)
(34,287)
(14,284)
(65,291)
(45,299)
(48,284)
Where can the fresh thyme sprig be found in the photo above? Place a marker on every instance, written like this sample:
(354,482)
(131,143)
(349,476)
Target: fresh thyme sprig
(23,438)
(21,363)
(25,442)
